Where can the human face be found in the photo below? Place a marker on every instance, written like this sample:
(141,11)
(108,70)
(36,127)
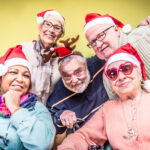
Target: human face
(49,36)
(126,85)
(17,78)
(75,75)
(126,68)
(105,47)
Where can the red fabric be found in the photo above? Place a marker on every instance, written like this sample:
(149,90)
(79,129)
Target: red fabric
(132,51)
(62,51)
(91,16)
(14,52)
(41,14)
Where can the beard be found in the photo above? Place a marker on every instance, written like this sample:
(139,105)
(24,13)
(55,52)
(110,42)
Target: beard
(82,83)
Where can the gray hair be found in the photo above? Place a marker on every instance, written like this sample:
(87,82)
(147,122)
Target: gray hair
(69,58)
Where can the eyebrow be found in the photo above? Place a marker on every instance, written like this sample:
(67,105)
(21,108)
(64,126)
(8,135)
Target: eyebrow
(18,70)
(66,73)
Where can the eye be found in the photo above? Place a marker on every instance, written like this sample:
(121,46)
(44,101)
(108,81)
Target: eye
(78,71)
(100,36)
(13,72)
(26,76)
(57,27)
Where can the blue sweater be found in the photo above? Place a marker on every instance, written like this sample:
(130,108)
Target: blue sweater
(84,104)
(32,130)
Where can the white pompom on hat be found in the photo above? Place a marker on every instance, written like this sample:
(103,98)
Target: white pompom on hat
(92,19)
(42,16)
(129,53)
(13,56)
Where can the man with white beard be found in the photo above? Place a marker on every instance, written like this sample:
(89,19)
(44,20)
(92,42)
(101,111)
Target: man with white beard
(79,94)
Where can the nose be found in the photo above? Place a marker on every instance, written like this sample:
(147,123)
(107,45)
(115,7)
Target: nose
(19,78)
(99,43)
(74,79)
(121,76)
(51,28)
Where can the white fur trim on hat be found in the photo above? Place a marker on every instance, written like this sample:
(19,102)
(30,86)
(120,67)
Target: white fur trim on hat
(18,61)
(57,16)
(127,28)
(39,20)
(105,20)
(146,85)
(122,56)
(3,69)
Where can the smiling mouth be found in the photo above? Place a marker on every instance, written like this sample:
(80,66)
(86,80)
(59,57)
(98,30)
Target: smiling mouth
(17,87)
(101,50)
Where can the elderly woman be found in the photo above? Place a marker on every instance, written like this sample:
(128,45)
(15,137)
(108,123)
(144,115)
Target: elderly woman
(25,123)
(125,121)
(51,26)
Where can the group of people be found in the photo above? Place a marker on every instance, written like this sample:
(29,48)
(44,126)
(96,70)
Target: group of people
(119,70)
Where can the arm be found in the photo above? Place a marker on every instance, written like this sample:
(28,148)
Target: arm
(35,127)
(93,132)
(57,109)
(145,21)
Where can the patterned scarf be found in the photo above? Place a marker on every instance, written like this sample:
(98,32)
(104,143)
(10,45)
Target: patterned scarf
(27,101)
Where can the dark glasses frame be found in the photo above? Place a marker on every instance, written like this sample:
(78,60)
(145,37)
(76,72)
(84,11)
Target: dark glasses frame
(125,72)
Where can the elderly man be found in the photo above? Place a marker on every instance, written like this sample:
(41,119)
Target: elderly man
(104,36)
(79,94)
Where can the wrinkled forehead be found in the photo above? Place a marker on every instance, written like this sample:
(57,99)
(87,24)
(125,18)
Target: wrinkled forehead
(93,31)
(53,19)
(116,64)
(72,65)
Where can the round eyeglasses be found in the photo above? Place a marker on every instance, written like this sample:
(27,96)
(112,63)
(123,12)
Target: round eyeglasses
(99,37)
(49,25)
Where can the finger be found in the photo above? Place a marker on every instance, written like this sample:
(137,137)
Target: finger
(3,99)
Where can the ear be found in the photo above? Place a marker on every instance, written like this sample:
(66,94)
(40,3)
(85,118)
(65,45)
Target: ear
(116,28)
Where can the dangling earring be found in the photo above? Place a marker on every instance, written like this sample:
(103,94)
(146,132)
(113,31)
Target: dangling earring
(113,93)
(142,82)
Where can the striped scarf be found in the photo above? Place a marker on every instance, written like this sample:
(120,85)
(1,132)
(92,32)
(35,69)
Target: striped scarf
(27,101)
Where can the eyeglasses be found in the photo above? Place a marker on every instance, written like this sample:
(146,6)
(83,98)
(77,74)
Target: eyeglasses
(48,25)
(99,37)
(126,68)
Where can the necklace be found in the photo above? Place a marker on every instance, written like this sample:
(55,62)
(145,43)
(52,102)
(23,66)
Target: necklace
(130,130)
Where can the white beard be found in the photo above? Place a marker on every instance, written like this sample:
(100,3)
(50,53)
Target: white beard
(84,83)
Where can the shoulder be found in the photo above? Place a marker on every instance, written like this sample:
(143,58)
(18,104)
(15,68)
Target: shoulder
(39,107)
(95,64)
(111,104)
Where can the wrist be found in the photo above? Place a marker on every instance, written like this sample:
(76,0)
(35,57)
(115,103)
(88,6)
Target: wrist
(15,110)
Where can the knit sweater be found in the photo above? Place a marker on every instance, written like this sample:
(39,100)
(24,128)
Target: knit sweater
(44,75)
(139,38)
(111,123)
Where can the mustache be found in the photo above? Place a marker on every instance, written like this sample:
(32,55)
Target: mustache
(103,47)
(77,83)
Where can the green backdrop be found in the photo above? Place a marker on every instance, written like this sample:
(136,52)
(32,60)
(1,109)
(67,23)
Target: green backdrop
(18,17)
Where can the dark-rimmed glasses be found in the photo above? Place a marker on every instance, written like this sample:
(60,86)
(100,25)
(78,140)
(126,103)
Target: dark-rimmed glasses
(126,68)
(99,37)
(49,25)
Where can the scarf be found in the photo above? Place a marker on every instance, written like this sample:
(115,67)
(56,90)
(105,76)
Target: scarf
(27,101)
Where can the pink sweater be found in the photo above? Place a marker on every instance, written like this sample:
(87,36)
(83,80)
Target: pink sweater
(110,123)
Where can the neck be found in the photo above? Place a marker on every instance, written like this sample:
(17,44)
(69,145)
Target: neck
(133,96)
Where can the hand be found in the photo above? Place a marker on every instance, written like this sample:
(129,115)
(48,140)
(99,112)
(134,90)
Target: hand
(68,118)
(145,21)
(12,100)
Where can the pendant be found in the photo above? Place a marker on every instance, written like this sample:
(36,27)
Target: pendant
(131,134)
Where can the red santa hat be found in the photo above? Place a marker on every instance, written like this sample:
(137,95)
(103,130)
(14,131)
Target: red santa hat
(92,19)
(42,16)
(14,56)
(128,53)
(63,52)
